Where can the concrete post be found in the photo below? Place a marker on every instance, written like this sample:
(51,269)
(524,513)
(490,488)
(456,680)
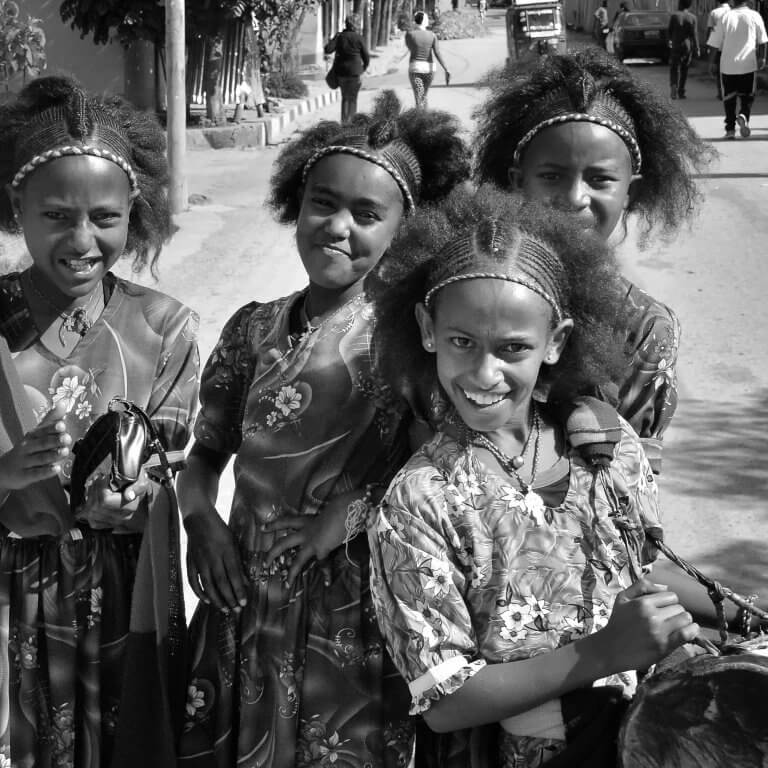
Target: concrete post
(177,107)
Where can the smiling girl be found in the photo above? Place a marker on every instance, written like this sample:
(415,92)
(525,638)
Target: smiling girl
(582,133)
(288,667)
(508,553)
(83,180)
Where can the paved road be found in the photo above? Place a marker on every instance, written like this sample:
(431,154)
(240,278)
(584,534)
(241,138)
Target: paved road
(230,251)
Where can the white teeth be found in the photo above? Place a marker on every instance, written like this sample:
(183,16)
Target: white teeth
(482,398)
(80,265)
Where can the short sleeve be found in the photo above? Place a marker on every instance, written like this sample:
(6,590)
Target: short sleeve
(648,394)
(762,37)
(417,585)
(173,400)
(635,483)
(225,383)
(716,36)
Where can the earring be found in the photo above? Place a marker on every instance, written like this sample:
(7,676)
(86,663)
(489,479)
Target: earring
(429,344)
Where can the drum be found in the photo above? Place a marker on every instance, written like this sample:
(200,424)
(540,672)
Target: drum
(705,712)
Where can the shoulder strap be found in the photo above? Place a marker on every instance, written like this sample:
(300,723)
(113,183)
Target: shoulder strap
(593,429)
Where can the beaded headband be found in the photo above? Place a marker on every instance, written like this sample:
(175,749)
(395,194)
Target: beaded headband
(528,262)
(604,109)
(60,131)
(397,159)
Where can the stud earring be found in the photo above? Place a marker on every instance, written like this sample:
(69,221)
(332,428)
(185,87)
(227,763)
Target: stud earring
(429,344)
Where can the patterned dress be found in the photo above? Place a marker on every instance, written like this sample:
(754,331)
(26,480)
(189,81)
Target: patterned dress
(465,574)
(300,676)
(65,601)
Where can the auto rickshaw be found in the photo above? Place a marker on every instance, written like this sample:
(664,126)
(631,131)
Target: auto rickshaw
(534,28)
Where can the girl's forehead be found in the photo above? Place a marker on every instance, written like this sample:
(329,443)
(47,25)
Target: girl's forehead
(577,141)
(349,174)
(80,175)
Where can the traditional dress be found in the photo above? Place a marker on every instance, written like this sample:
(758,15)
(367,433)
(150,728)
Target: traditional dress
(65,593)
(468,572)
(300,676)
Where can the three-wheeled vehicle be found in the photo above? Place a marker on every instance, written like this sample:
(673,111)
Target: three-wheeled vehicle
(534,28)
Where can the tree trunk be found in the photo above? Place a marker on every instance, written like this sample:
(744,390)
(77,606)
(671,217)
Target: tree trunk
(387,25)
(288,47)
(214,62)
(376,22)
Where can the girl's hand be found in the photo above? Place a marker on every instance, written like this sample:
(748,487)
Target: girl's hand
(38,454)
(214,568)
(647,623)
(313,536)
(105,508)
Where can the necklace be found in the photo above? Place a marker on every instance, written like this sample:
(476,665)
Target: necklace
(77,320)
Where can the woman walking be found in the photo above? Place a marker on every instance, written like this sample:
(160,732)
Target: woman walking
(423,47)
(350,62)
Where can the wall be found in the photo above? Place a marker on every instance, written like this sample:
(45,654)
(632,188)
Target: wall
(98,67)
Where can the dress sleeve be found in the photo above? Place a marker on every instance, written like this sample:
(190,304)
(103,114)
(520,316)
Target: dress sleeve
(173,400)
(418,585)
(648,394)
(225,383)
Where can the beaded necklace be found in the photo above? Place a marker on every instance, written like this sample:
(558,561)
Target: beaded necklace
(77,320)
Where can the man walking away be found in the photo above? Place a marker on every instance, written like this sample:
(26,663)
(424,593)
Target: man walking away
(741,40)
(600,30)
(714,18)
(684,44)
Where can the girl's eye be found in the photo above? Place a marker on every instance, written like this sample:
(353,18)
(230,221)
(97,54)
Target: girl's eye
(107,217)
(322,202)
(548,176)
(600,179)
(55,215)
(369,217)
(514,349)
(462,342)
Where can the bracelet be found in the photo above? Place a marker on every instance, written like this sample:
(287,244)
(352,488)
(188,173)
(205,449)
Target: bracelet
(744,618)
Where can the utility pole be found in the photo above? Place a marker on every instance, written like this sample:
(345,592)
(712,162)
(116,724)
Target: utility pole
(177,106)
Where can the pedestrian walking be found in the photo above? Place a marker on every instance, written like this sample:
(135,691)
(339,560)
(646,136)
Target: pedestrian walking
(288,665)
(83,179)
(424,49)
(741,40)
(714,18)
(350,61)
(684,46)
(582,133)
(508,591)
(600,24)
(482,9)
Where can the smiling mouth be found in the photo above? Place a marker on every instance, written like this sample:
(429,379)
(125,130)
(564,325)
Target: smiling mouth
(484,399)
(80,266)
(334,251)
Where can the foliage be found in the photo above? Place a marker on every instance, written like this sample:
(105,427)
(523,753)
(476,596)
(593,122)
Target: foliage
(285,86)
(458,25)
(128,20)
(22,43)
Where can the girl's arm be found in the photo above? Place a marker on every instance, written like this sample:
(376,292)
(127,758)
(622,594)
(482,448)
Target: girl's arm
(436,49)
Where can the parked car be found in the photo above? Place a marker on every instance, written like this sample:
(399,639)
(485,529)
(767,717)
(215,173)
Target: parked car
(642,35)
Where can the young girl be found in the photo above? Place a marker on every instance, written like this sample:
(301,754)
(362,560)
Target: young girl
(507,557)
(288,667)
(83,179)
(582,133)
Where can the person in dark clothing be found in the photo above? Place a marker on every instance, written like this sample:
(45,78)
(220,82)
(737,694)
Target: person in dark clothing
(349,63)
(684,45)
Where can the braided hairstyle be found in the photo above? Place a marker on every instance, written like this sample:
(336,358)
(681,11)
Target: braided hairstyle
(150,225)
(666,194)
(589,286)
(433,137)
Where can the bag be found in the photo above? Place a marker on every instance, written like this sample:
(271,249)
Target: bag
(124,435)
(331,79)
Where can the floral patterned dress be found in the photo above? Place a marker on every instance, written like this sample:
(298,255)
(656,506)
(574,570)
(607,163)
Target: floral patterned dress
(466,574)
(300,676)
(65,600)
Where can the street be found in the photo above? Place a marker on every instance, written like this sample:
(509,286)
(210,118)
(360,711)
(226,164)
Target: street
(230,251)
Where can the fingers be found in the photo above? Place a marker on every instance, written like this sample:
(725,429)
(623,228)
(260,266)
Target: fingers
(286,522)
(193,577)
(300,560)
(290,541)
(642,587)
(136,490)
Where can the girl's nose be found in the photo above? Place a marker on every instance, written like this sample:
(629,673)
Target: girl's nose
(82,239)
(575,197)
(488,374)
(338,224)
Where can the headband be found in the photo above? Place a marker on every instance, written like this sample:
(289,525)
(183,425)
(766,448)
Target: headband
(63,131)
(605,109)
(397,159)
(531,264)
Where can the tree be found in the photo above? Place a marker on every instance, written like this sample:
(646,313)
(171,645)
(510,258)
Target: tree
(22,44)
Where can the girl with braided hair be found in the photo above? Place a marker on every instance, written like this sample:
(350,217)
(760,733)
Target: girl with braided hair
(288,667)
(582,133)
(83,180)
(508,554)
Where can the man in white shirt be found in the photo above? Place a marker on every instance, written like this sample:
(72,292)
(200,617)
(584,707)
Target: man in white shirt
(741,39)
(600,31)
(715,16)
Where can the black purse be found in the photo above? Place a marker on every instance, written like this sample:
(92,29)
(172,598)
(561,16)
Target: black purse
(331,78)
(127,438)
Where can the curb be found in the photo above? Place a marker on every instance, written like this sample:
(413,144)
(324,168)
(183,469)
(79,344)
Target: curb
(261,132)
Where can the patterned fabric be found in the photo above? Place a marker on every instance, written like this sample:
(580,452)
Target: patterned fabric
(420,82)
(65,602)
(299,677)
(466,574)
(647,395)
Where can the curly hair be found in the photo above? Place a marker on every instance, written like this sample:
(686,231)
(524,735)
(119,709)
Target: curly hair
(589,286)
(150,225)
(434,138)
(666,194)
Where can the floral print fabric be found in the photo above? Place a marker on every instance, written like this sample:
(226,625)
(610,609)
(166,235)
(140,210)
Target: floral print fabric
(65,602)
(466,574)
(299,677)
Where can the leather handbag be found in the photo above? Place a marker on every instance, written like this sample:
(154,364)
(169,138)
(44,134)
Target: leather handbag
(331,79)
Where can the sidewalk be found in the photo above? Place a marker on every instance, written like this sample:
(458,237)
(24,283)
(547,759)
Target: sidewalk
(255,131)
